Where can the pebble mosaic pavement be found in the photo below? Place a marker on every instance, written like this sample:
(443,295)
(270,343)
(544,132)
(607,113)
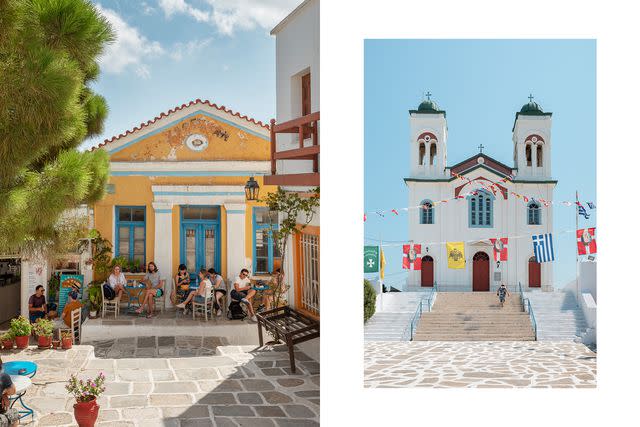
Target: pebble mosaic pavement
(499,364)
(177,382)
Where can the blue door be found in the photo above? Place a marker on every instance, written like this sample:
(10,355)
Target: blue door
(200,239)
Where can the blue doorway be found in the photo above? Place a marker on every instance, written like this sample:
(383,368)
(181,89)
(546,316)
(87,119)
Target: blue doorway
(199,238)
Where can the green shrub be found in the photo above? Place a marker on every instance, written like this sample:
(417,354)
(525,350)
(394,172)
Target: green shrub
(43,328)
(369,300)
(20,327)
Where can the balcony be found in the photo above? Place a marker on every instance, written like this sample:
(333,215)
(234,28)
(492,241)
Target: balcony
(307,128)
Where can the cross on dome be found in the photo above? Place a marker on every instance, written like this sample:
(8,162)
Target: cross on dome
(530,97)
(428,95)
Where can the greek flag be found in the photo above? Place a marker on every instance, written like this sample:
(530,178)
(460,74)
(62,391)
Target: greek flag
(543,247)
(582,211)
(591,205)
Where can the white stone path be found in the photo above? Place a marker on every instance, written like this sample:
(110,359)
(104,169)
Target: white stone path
(238,386)
(479,364)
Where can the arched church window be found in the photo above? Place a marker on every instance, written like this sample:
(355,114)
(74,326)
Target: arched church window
(533,213)
(539,156)
(481,210)
(433,153)
(421,154)
(527,154)
(426,212)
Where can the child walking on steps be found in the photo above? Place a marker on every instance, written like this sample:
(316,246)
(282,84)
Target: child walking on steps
(502,293)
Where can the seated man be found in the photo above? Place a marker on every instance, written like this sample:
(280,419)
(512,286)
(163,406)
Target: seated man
(243,291)
(37,305)
(72,304)
(9,417)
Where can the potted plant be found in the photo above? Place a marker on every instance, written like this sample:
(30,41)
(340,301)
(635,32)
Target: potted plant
(95,298)
(21,329)
(43,329)
(7,340)
(66,339)
(86,394)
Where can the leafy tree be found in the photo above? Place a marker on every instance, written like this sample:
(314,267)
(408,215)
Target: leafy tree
(369,300)
(48,59)
(295,214)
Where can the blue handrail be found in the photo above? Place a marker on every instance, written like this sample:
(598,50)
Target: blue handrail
(533,318)
(409,330)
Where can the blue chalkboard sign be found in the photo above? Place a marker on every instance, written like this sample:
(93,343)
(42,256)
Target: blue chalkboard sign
(68,282)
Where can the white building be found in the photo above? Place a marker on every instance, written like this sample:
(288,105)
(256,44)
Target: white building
(480,215)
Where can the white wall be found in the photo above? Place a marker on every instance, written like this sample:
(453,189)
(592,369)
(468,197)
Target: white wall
(297,53)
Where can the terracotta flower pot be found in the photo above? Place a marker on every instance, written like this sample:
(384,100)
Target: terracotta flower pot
(67,343)
(55,344)
(44,342)
(22,342)
(7,345)
(86,413)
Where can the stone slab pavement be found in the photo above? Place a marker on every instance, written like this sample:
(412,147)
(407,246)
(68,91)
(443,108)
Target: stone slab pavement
(215,385)
(478,364)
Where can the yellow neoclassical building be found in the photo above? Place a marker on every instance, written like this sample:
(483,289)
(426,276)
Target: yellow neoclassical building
(176,192)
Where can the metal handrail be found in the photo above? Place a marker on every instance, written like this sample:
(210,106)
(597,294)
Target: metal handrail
(409,330)
(521,295)
(532,317)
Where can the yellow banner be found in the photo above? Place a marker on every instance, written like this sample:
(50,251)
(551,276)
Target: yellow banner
(383,263)
(455,254)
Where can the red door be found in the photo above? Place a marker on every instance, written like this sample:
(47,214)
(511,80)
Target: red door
(481,272)
(427,272)
(534,273)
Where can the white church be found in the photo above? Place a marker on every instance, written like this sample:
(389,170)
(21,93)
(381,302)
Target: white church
(480,215)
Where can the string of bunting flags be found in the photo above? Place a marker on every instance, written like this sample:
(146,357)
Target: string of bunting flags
(494,189)
(543,250)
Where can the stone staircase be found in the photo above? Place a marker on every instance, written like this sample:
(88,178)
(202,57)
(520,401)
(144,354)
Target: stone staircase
(558,316)
(397,311)
(475,316)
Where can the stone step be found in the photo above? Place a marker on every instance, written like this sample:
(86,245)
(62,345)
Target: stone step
(472,338)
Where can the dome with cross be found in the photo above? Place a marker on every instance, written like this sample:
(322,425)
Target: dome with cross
(531,107)
(428,106)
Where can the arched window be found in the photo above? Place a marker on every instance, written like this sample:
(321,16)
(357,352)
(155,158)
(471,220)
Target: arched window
(539,155)
(433,153)
(527,153)
(426,212)
(481,210)
(421,154)
(533,213)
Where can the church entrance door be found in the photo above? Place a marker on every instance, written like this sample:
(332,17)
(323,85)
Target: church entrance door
(427,272)
(481,272)
(534,273)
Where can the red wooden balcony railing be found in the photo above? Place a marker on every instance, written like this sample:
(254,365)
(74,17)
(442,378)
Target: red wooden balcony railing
(305,127)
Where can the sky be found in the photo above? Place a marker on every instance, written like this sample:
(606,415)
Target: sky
(481,84)
(170,52)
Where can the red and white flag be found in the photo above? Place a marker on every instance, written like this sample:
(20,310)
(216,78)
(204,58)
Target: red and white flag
(586,241)
(411,259)
(500,252)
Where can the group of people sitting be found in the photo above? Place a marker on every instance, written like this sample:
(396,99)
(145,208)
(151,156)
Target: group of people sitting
(210,281)
(39,309)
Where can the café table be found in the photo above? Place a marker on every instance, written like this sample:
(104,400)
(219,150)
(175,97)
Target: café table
(134,289)
(22,384)
(20,367)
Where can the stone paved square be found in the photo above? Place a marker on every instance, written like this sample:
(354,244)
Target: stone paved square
(478,364)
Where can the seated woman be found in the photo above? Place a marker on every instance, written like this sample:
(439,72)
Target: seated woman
(199,294)
(9,416)
(219,287)
(154,289)
(117,281)
(182,280)
(37,305)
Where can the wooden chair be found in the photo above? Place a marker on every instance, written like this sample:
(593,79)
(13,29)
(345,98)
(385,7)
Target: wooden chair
(76,326)
(160,301)
(205,307)
(110,305)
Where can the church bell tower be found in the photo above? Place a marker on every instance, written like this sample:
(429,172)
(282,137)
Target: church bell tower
(532,142)
(428,140)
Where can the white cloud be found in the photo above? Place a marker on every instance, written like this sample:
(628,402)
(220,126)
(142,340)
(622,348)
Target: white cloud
(231,15)
(131,50)
(180,50)
(147,9)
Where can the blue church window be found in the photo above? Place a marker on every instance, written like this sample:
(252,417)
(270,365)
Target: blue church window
(481,210)
(426,212)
